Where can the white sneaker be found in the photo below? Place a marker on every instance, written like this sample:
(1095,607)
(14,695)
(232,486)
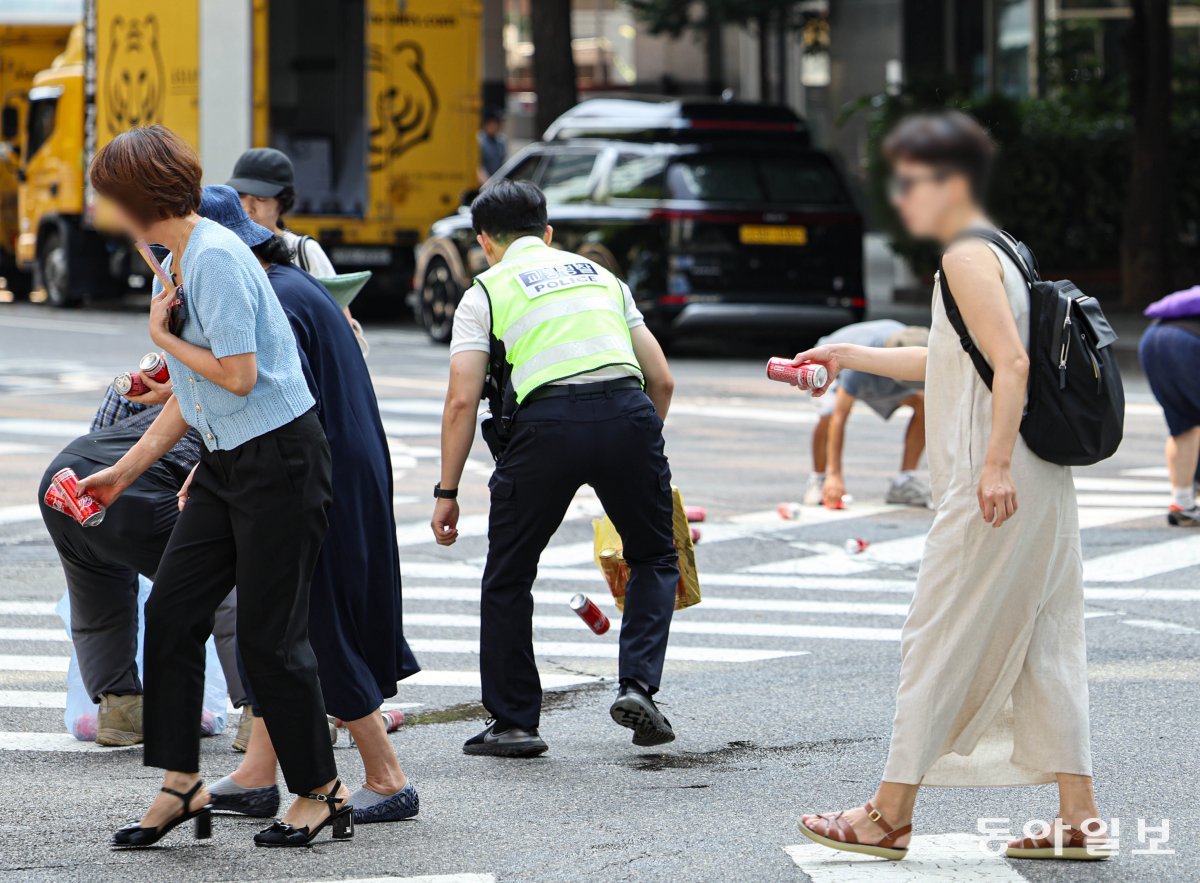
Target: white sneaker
(909,491)
(814,491)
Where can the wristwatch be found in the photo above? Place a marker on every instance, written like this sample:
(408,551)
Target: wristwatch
(441,493)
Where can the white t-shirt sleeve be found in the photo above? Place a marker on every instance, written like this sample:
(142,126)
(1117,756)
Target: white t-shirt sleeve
(472,323)
(633,316)
(318,262)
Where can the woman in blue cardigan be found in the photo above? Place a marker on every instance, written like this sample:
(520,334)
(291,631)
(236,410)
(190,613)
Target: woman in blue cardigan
(256,510)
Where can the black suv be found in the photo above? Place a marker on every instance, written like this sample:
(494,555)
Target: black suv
(720,216)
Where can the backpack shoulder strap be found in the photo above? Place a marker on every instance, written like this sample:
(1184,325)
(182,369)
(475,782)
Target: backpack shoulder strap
(960,328)
(302,251)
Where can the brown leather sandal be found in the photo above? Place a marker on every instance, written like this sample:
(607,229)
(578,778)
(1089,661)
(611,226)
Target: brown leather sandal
(1076,845)
(834,831)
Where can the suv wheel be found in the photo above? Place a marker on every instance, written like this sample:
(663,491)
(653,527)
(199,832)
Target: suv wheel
(440,294)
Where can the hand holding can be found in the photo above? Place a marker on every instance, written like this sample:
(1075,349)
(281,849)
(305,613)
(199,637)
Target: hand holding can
(63,495)
(810,376)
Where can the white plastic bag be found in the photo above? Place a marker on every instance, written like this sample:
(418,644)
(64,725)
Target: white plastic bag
(80,716)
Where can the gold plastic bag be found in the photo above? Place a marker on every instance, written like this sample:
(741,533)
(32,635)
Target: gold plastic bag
(611,561)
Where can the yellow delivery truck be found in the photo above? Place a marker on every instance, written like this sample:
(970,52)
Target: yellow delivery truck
(376,102)
(28,43)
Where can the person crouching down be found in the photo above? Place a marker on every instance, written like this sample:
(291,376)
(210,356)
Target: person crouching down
(884,395)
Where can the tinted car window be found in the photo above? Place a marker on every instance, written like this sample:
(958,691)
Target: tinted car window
(525,169)
(638,176)
(567,176)
(769,178)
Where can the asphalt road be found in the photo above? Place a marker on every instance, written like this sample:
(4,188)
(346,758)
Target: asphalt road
(780,685)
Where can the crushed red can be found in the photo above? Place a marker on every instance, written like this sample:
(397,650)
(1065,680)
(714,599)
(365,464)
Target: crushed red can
(590,613)
(63,495)
(695,531)
(808,376)
(789,511)
(856,545)
(695,514)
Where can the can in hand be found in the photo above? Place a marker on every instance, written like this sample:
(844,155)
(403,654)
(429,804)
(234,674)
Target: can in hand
(154,366)
(63,495)
(808,376)
(590,613)
(130,383)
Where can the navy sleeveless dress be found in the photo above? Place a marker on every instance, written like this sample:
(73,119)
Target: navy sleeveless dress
(355,619)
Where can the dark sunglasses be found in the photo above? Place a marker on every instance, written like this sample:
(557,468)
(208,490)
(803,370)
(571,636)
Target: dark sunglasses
(899,186)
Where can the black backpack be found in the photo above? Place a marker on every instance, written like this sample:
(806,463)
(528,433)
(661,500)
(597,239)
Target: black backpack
(1075,414)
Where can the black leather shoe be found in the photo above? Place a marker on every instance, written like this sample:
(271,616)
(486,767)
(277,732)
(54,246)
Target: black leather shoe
(506,742)
(636,710)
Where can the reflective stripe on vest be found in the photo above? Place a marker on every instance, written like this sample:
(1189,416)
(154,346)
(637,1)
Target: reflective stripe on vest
(559,315)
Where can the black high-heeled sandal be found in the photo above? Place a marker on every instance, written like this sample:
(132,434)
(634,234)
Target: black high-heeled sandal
(134,835)
(342,820)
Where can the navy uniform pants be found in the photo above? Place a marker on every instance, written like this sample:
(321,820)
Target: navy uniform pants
(612,440)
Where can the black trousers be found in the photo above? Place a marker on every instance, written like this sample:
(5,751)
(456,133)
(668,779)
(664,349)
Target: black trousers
(102,564)
(255,516)
(613,441)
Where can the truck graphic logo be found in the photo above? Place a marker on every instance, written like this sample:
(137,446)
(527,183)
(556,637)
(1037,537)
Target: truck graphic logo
(406,105)
(133,76)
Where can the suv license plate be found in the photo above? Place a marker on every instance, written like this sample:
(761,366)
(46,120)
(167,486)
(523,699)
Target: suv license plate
(772,234)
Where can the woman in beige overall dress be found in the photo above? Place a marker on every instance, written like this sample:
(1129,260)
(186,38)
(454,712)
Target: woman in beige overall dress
(993,676)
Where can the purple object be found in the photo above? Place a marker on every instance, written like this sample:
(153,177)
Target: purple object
(1180,305)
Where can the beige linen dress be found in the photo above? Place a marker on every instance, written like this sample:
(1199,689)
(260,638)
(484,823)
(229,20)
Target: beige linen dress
(993,676)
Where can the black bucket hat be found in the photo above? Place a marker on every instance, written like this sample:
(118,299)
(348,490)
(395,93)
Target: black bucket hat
(262,171)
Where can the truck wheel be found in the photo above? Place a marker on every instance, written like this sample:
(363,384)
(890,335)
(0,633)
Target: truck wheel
(440,294)
(54,269)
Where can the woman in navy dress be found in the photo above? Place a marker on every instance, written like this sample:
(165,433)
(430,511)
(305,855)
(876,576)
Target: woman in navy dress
(355,621)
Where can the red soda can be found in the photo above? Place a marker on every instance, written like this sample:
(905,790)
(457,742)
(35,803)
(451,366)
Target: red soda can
(154,366)
(590,613)
(809,376)
(695,514)
(856,545)
(393,719)
(129,383)
(695,534)
(789,511)
(82,507)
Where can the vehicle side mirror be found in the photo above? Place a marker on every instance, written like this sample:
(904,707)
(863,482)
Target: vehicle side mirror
(10,124)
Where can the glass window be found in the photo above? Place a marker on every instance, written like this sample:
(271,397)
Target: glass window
(638,176)
(769,178)
(525,169)
(567,177)
(1014,36)
(41,122)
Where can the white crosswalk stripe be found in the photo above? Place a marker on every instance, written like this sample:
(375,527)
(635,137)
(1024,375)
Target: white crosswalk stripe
(805,597)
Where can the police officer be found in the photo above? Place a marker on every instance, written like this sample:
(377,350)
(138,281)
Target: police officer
(587,389)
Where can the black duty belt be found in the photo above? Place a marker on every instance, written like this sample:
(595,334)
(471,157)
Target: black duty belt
(577,391)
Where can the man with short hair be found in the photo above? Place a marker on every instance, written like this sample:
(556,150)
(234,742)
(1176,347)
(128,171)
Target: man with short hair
(585,392)
(826,483)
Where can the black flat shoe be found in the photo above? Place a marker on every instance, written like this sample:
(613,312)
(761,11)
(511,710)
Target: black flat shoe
(636,710)
(134,835)
(507,742)
(283,834)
